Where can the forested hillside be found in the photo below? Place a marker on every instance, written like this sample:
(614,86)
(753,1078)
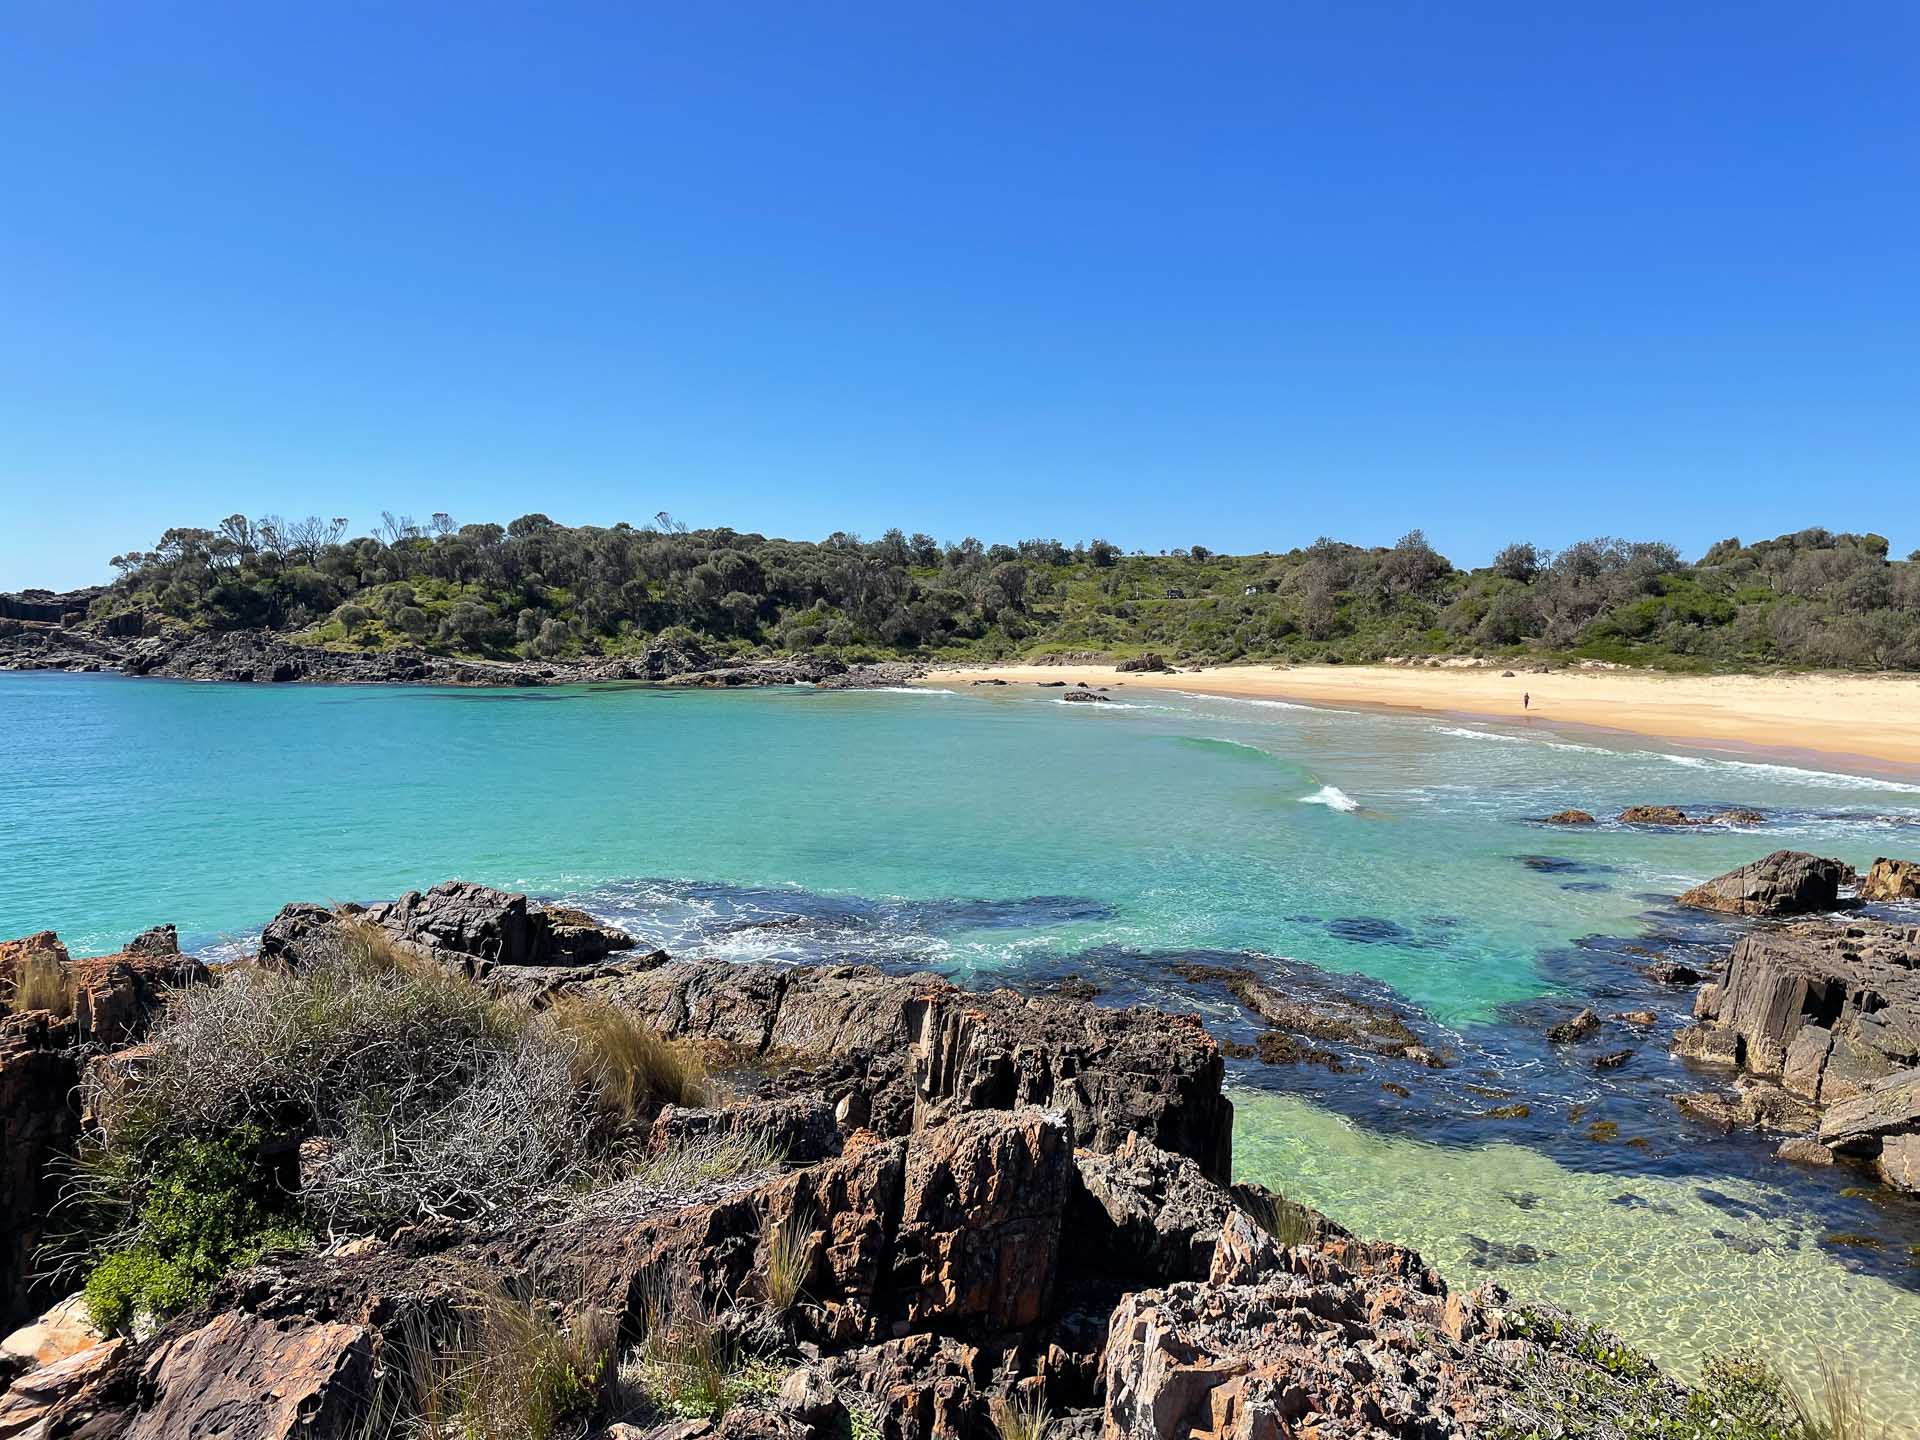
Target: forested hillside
(539,589)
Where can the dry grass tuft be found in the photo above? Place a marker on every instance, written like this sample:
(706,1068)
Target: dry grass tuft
(40,983)
(789,1252)
(505,1369)
(1021,1417)
(626,1061)
(685,1365)
(1837,1411)
(527,1375)
(1288,1222)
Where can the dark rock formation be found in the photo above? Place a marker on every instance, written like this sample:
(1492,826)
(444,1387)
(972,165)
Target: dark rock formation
(893,1049)
(141,645)
(1084,697)
(38,1072)
(1787,882)
(1325,1015)
(1143,663)
(49,606)
(473,926)
(1578,1028)
(1568,817)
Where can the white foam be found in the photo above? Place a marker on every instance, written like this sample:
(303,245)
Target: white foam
(1099,705)
(1835,779)
(1333,797)
(1465,734)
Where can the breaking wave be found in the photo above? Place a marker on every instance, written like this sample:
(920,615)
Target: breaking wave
(1333,797)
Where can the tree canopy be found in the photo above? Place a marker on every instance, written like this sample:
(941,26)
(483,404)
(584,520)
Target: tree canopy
(537,588)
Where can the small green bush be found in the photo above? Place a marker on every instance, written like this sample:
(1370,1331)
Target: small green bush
(209,1207)
(132,1282)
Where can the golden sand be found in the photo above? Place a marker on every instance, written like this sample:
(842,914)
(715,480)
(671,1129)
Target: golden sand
(1874,718)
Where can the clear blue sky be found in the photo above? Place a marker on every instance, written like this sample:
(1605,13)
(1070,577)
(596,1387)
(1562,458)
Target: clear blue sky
(1236,274)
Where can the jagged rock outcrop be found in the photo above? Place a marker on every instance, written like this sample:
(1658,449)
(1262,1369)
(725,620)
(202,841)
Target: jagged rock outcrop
(112,999)
(1673,816)
(38,1122)
(87,1396)
(49,606)
(1144,1215)
(1830,1014)
(893,1049)
(1313,1348)
(979,1235)
(970,1197)
(473,926)
(1568,817)
(1787,882)
(1891,880)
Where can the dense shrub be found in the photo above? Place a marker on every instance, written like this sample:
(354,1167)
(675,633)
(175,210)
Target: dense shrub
(543,589)
(406,1088)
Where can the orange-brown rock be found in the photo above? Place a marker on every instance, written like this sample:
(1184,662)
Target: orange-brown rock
(86,1396)
(64,1329)
(244,1377)
(1891,880)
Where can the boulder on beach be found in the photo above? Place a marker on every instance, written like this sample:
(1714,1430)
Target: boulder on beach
(1787,882)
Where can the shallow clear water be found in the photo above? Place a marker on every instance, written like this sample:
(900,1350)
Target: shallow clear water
(1002,832)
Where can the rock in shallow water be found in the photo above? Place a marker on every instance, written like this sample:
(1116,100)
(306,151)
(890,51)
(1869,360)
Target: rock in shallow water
(1787,882)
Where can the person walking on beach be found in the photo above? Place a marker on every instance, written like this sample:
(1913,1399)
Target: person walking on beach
(1526,700)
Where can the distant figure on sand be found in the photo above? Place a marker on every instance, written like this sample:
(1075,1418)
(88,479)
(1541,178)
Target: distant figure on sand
(1526,700)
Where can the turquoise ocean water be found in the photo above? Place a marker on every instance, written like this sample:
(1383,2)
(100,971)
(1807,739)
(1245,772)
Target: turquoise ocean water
(1007,834)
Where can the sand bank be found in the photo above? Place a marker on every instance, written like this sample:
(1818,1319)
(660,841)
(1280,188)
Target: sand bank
(1872,721)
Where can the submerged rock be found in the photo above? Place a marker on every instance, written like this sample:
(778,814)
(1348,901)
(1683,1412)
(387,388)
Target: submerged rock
(1568,817)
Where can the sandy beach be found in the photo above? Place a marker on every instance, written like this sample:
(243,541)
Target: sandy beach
(1868,721)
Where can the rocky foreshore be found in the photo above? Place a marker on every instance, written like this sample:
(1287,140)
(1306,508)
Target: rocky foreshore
(1818,1018)
(965,1211)
(139,645)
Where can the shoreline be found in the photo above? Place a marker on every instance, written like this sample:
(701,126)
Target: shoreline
(1865,723)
